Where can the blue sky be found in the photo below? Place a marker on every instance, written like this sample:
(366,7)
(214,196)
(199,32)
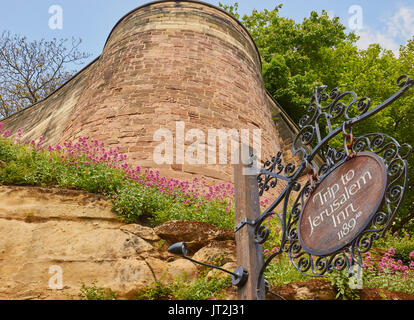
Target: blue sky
(390,23)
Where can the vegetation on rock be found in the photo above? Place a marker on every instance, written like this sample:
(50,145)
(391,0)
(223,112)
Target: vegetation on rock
(135,193)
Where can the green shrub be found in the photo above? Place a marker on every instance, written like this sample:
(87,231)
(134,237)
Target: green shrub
(156,291)
(340,281)
(210,212)
(282,272)
(388,281)
(199,289)
(94,292)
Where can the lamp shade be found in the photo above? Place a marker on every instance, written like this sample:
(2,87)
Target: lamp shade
(179,249)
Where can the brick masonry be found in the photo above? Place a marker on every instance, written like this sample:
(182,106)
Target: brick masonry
(164,62)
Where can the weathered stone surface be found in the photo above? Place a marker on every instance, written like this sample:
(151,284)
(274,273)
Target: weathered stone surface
(217,251)
(181,269)
(316,289)
(145,233)
(167,272)
(38,204)
(195,234)
(73,231)
(218,274)
(77,238)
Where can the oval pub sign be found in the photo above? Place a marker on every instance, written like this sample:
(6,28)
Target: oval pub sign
(342,205)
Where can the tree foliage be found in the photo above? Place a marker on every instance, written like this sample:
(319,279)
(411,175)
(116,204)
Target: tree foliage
(297,57)
(32,70)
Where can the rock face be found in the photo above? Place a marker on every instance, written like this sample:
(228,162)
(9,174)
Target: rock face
(196,234)
(316,289)
(53,239)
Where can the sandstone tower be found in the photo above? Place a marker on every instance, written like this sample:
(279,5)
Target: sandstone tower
(164,62)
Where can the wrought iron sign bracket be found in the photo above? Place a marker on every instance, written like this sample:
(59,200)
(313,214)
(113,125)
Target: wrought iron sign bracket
(326,162)
(314,246)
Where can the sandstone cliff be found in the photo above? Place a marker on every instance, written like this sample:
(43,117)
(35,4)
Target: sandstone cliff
(49,233)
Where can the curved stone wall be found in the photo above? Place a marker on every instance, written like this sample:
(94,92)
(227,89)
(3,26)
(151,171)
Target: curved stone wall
(164,62)
(48,117)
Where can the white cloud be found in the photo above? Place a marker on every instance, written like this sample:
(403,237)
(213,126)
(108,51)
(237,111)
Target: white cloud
(369,36)
(402,23)
(398,29)
(331,14)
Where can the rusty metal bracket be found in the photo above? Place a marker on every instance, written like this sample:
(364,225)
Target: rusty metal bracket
(244,222)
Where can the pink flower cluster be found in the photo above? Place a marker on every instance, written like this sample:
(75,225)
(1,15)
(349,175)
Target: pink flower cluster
(270,222)
(197,192)
(369,264)
(268,252)
(86,153)
(6,133)
(396,235)
(264,202)
(389,265)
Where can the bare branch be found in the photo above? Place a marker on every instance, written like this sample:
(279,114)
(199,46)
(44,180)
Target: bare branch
(31,70)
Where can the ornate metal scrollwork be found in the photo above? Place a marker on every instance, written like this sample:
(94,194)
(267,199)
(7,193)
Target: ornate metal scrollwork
(330,116)
(268,178)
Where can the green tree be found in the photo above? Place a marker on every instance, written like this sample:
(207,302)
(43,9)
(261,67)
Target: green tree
(294,55)
(297,57)
(373,73)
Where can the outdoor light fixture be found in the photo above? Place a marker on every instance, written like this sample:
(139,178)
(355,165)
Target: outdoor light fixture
(239,276)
